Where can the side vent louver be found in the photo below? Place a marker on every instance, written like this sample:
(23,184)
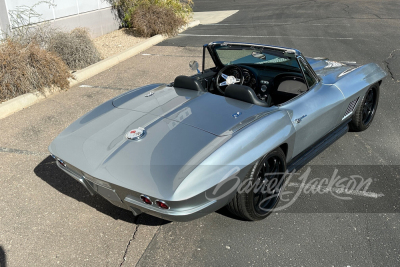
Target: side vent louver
(350,108)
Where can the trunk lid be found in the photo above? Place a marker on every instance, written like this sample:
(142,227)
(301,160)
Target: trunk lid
(211,113)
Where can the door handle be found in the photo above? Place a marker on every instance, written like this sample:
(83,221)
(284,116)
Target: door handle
(300,119)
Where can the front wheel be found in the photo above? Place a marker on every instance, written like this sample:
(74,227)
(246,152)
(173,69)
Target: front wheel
(261,188)
(365,112)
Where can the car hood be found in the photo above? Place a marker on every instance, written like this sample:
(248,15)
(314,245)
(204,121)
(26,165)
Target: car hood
(182,129)
(331,71)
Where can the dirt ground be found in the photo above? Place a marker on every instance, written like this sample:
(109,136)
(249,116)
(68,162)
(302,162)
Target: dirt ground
(116,42)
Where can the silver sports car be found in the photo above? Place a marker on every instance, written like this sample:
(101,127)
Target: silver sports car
(171,150)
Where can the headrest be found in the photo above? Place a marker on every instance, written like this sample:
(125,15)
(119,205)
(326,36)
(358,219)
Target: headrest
(245,94)
(188,83)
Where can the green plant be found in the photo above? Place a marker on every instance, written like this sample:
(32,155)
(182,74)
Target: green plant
(149,20)
(125,8)
(27,68)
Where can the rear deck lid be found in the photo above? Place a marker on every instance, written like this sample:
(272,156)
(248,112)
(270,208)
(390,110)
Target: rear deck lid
(209,112)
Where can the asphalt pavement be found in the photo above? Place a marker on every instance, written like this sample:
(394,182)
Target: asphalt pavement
(48,219)
(319,230)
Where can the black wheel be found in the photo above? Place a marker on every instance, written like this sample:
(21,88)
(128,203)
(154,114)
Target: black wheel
(266,180)
(365,111)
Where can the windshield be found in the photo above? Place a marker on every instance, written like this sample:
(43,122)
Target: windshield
(236,54)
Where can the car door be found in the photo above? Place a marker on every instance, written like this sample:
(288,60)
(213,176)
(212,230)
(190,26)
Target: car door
(314,113)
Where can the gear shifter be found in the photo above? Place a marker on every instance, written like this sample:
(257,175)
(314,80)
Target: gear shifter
(264,88)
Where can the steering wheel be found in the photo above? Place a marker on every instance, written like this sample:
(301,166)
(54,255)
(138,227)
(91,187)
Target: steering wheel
(223,80)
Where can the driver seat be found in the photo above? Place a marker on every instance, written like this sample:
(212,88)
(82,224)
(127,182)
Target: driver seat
(246,94)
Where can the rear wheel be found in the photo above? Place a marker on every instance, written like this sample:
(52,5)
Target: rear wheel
(365,112)
(265,180)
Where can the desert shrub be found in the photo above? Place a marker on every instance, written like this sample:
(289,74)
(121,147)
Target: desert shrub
(75,48)
(126,9)
(26,68)
(149,20)
(27,25)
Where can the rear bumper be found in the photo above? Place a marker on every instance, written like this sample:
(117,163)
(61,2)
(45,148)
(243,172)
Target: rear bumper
(131,201)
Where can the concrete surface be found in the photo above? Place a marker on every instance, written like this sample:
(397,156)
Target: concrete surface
(23,101)
(47,219)
(212,17)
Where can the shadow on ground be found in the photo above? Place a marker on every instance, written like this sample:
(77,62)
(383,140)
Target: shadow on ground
(48,171)
(3,261)
(226,213)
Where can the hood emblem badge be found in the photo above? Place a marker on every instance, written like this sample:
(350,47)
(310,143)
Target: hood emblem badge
(149,94)
(136,134)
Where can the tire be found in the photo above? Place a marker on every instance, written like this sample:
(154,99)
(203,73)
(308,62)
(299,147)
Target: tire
(247,204)
(365,112)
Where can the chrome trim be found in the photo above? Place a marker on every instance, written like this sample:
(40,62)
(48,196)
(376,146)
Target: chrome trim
(149,94)
(96,181)
(79,178)
(310,69)
(350,108)
(348,71)
(137,137)
(62,163)
(172,212)
(157,200)
(284,49)
(146,197)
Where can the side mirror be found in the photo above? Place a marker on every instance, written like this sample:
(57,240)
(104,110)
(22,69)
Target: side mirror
(194,65)
(259,55)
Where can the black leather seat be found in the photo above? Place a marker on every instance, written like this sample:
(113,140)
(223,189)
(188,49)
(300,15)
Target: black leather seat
(188,83)
(246,94)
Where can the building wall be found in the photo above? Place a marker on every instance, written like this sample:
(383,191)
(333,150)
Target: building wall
(96,15)
(3,16)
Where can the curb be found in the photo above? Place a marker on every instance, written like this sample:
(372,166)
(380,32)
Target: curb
(23,101)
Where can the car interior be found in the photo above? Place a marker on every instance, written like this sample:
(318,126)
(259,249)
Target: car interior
(260,84)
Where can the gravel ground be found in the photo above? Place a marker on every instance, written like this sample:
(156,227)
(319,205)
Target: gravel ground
(117,41)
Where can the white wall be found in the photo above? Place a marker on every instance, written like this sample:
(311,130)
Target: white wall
(62,9)
(68,14)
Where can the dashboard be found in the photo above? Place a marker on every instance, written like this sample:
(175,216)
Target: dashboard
(259,79)
(264,80)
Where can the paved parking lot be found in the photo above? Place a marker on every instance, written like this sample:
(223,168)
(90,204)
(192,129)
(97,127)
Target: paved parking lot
(47,219)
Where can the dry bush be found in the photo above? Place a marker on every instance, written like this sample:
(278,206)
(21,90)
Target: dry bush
(27,25)
(75,48)
(150,20)
(27,68)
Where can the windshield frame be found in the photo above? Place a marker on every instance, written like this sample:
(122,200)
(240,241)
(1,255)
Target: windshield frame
(211,47)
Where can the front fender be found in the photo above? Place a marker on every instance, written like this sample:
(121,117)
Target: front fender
(360,79)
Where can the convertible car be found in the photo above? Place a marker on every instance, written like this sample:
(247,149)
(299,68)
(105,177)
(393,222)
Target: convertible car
(171,150)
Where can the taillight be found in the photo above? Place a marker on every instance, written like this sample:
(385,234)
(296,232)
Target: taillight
(162,204)
(146,200)
(62,163)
